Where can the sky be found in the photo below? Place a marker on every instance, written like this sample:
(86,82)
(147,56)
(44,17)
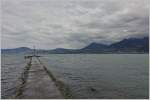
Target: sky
(49,24)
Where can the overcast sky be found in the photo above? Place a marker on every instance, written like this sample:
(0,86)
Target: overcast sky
(49,24)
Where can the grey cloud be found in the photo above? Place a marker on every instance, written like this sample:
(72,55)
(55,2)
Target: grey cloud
(71,23)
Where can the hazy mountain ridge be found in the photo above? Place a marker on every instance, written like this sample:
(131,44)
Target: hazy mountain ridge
(16,50)
(131,45)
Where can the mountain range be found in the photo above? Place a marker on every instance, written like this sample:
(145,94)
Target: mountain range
(130,45)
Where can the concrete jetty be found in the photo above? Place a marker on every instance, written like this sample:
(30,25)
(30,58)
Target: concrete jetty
(38,84)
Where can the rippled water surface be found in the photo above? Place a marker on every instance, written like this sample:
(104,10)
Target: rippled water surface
(102,75)
(87,75)
(12,66)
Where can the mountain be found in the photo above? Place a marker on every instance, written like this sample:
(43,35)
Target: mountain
(130,45)
(61,51)
(94,48)
(16,50)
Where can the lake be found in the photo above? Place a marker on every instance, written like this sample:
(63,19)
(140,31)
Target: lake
(87,75)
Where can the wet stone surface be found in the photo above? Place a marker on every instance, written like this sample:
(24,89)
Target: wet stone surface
(38,84)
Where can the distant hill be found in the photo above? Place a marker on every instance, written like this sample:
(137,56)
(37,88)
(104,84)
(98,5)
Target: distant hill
(130,45)
(95,48)
(61,50)
(16,50)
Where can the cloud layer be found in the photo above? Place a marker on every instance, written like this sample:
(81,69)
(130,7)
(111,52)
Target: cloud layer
(49,24)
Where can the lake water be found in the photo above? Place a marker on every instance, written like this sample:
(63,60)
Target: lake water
(88,75)
(11,68)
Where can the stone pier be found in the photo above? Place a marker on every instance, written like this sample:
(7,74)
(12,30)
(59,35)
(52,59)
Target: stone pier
(38,84)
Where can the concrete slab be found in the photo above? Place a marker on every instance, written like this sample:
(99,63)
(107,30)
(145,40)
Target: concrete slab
(39,85)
